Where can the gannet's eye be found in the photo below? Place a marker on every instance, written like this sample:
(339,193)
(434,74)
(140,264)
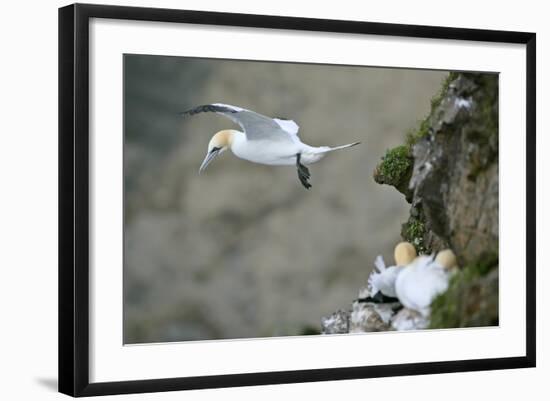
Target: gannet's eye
(215,149)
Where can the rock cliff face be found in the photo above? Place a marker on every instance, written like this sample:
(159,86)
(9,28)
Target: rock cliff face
(448,172)
(454,180)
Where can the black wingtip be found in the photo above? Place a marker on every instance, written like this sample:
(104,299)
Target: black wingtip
(378,298)
(207,108)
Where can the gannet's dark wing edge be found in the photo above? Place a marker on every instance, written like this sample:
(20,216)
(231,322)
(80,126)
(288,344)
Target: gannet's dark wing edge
(206,108)
(255,126)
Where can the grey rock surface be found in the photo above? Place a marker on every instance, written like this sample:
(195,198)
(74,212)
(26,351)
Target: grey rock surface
(408,319)
(455,175)
(336,323)
(367,316)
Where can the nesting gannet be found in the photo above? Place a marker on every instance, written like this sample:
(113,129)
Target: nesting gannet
(384,280)
(421,281)
(265,140)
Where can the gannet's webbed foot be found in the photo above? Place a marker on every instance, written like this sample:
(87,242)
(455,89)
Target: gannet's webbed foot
(303,172)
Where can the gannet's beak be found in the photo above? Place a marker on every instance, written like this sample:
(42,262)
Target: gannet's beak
(209,157)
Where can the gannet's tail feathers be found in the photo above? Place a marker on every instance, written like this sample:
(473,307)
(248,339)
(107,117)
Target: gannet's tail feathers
(375,277)
(373,283)
(326,149)
(379,263)
(349,145)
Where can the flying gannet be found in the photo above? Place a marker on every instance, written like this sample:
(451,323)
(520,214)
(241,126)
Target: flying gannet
(425,278)
(264,140)
(383,280)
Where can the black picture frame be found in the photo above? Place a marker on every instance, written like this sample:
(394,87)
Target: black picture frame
(74,193)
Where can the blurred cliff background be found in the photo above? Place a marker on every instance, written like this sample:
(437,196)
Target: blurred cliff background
(244,250)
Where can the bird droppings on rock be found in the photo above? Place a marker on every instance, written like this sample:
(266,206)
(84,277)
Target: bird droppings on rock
(409,319)
(465,103)
(337,323)
(369,316)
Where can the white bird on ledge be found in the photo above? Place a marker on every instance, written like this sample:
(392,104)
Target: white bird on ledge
(265,140)
(424,279)
(384,279)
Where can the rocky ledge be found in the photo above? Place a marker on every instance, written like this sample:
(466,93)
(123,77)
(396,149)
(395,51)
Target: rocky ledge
(447,170)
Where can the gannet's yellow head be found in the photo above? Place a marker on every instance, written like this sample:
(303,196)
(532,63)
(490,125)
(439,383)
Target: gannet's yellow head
(447,259)
(404,253)
(217,145)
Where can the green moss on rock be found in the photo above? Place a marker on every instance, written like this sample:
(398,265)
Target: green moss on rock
(413,231)
(471,299)
(416,134)
(395,165)
(436,100)
(423,129)
(395,169)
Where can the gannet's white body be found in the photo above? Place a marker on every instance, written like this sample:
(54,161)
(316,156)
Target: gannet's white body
(264,140)
(384,279)
(425,278)
(274,153)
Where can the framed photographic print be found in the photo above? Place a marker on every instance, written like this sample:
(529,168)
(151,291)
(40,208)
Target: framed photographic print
(251,199)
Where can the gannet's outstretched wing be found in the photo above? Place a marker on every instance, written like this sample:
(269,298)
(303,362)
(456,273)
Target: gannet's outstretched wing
(255,126)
